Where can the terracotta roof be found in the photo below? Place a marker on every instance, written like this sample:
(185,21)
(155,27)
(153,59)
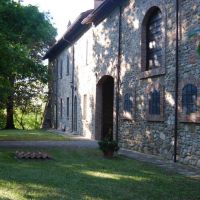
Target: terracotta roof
(73,33)
(81,25)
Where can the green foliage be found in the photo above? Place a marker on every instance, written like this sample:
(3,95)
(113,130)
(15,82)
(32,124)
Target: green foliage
(196,33)
(108,145)
(28,120)
(2,118)
(198,48)
(25,36)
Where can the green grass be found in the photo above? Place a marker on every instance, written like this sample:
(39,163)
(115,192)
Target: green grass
(28,135)
(83,174)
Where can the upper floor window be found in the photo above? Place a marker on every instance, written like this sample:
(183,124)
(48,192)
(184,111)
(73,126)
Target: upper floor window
(67,107)
(61,68)
(86,51)
(154,102)
(128,103)
(189,99)
(61,108)
(154,40)
(85,106)
(67,71)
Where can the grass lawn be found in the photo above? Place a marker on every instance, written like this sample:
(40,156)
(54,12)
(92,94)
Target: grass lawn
(35,135)
(83,174)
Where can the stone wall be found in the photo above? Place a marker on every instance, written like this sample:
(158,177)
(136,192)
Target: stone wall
(96,55)
(62,90)
(140,132)
(85,83)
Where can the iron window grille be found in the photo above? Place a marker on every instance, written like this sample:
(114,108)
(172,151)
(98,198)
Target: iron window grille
(189,99)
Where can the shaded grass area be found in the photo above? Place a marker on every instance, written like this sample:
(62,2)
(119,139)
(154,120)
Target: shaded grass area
(83,174)
(30,135)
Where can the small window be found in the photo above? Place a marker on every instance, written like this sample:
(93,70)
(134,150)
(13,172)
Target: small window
(154,102)
(61,108)
(128,103)
(68,108)
(67,66)
(61,69)
(75,114)
(86,51)
(154,40)
(85,107)
(189,99)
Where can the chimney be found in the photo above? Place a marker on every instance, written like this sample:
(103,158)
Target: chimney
(97,3)
(69,24)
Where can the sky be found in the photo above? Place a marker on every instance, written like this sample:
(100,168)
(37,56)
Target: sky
(62,10)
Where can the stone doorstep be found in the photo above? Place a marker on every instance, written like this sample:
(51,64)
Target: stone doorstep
(187,171)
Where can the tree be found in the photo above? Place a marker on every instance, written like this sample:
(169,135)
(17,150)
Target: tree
(25,35)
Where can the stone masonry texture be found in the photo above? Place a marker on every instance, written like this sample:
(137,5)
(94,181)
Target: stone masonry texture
(95,55)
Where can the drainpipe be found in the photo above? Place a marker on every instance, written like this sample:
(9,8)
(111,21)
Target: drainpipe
(176,82)
(72,87)
(57,93)
(118,74)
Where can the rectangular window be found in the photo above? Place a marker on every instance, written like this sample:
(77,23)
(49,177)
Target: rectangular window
(61,68)
(86,56)
(67,66)
(61,108)
(67,108)
(84,107)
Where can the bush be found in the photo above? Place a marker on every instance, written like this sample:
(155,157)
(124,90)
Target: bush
(108,145)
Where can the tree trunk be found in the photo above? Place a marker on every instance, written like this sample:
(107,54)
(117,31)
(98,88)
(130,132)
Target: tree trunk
(10,106)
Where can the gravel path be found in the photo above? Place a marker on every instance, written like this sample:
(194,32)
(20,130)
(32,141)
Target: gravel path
(75,144)
(185,170)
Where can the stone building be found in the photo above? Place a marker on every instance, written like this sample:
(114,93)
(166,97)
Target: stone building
(130,67)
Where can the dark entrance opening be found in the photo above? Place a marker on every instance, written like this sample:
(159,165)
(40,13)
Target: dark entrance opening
(104,107)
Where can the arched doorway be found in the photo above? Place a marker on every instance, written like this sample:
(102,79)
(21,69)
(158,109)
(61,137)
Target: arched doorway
(104,107)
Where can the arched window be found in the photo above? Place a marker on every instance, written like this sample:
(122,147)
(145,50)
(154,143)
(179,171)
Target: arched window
(189,99)
(154,102)
(154,40)
(128,103)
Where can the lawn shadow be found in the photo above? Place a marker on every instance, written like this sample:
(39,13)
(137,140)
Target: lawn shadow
(85,174)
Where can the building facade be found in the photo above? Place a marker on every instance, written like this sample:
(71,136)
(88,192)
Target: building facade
(135,72)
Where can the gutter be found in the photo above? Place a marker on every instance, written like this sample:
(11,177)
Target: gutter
(72,87)
(74,32)
(56,94)
(176,82)
(118,74)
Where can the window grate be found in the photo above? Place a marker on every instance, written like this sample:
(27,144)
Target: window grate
(189,99)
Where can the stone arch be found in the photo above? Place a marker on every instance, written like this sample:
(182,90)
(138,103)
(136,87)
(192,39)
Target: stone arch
(104,107)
